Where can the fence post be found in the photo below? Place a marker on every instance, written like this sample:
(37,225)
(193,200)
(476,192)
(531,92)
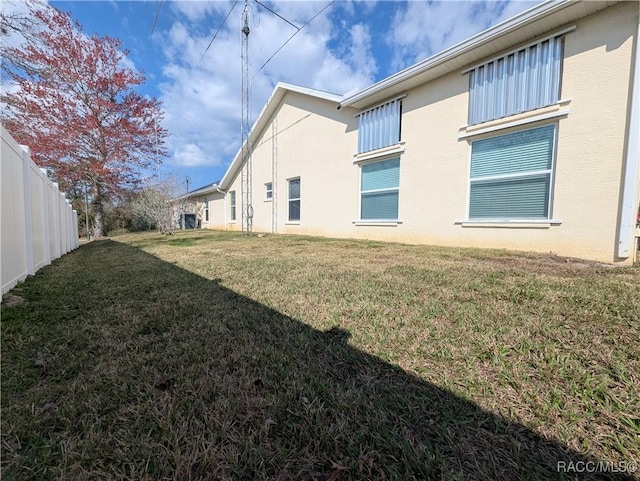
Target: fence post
(45,206)
(69,226)
(55,210)
(28,226)
(61,211)
(74,220)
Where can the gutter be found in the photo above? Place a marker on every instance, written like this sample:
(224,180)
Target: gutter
(538,11)
(630,181)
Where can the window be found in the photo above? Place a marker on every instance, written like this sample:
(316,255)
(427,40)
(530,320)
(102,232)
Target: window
(380,126)
(206,209)
(268,190)
(511,175)
(294,200)
(379,188)
(518,82)
(232,203)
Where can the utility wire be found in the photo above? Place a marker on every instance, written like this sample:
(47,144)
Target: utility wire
(289,39)
(155,19)
(278,15)
(219,28)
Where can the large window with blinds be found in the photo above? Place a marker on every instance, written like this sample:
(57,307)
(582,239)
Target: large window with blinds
(511,175)
(524,80)
(380,126)
(379,190)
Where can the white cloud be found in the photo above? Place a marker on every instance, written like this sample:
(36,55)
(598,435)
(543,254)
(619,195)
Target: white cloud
(335,53)
(191,155)
(196,10)
(203,98)
(421,29)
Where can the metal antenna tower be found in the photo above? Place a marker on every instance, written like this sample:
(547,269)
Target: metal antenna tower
(246,174)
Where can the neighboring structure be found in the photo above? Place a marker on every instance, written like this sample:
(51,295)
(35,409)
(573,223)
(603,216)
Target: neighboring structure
(200,203)
(524,137)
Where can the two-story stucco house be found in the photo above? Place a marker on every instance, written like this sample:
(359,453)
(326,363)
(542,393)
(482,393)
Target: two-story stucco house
(524,136)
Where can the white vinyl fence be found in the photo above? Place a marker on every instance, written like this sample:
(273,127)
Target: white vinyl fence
(38,223)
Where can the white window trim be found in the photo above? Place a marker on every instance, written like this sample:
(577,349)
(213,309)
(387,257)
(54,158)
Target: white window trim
(268,199)
(234,205)
(517,123)
(510,223)
(379,154)
(506,222)
(517,175)
(376,222)
(289,199)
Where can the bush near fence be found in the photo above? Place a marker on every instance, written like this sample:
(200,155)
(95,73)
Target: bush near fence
(38,224)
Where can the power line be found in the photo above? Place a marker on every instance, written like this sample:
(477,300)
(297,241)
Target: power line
(219,28)
(296,33)
(278,15)
(155,19)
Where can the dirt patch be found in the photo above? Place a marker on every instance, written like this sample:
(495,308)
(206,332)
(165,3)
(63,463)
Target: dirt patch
(12,300)
(550,264)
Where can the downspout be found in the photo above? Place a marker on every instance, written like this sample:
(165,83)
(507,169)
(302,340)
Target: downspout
(629,207)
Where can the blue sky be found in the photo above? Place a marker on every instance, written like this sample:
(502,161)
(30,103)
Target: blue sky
(351,45)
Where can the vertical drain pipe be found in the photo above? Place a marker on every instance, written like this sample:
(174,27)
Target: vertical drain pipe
(629,207)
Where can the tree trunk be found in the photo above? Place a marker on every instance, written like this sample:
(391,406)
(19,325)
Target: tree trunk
(97,201)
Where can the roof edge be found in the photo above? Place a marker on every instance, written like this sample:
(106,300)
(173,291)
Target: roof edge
(517,21)
(278,93)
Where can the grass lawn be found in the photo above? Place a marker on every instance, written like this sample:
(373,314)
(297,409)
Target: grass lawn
(208,355)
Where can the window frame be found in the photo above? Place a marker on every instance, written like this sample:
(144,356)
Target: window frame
(501,177)
(294,199)
(268,192)
(361,192)
(232,206)
(206,209)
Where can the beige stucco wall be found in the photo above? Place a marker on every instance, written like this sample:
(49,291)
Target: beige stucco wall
(316,142)
(311,139)
(197,205)
(590,151)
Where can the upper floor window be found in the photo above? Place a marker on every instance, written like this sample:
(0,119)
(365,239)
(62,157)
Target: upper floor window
(523,80)
(380,126)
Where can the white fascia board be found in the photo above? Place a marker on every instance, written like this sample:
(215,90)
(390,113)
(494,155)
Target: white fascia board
(518,21)
(311,92)
(278,93)
(199,192)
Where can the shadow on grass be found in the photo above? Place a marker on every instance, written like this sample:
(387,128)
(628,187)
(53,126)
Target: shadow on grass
(119,365)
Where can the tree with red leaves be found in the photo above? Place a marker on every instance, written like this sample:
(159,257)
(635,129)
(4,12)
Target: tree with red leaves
(72,102)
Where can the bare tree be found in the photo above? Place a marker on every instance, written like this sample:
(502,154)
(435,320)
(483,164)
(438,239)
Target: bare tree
(159,204)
